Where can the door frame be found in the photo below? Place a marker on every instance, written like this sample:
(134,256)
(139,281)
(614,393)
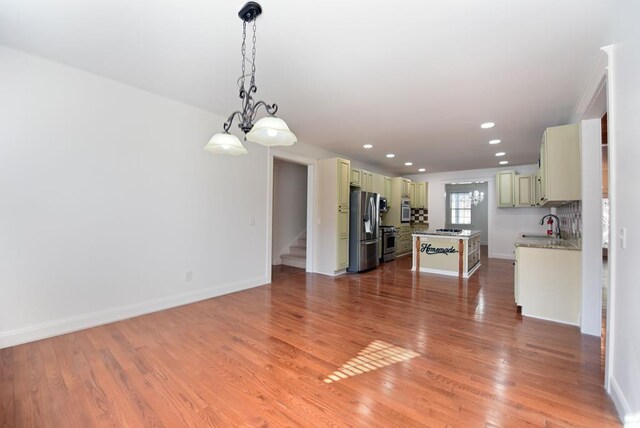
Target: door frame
(602,78)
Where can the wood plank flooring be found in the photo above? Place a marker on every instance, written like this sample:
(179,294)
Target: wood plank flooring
(404,349)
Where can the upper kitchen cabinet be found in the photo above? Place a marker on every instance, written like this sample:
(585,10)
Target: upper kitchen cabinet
(505,189)
(380,185)
(362,179)
(387,189)
(418,194)
(400,188)
(356,177)
(559,166)
(525,190)
(406,187)
(332,233)
(367,181)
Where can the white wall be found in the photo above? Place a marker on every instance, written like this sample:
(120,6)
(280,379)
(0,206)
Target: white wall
(289,205)
(108,200)
(504,223)
(624,156)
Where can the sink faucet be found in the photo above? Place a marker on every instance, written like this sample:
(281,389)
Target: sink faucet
(556,220)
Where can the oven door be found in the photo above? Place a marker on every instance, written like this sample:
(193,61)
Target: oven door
(388,242)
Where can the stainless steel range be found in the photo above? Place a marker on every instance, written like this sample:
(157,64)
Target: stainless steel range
(389,236)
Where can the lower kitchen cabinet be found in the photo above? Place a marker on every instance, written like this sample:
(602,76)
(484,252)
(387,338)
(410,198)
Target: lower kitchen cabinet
(548,283)
(342,261)
(404,240)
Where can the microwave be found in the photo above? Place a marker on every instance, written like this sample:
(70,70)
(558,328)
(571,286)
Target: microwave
(382,204)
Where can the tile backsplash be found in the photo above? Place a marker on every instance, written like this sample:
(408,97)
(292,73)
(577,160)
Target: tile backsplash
(570,216)
(419,215)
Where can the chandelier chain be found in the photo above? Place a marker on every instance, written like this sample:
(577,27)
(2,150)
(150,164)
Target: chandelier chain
(244,50)
(253,55)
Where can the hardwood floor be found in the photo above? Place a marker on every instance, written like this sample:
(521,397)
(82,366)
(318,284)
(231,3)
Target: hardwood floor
(383,348)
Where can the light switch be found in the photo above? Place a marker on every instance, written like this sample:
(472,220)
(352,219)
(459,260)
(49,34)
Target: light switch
(623,237)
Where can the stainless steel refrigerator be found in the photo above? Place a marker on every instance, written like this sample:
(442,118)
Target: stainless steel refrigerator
(364,231)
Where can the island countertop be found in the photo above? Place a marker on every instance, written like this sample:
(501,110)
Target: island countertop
(462,234)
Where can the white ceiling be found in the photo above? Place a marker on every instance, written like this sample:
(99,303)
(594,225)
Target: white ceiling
(415,77)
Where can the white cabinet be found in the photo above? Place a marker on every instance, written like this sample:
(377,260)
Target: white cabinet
(515,190)
(505,189)
(400,188)
(387,188)
(418,194)
(332,233)
(406,187)
(362,179)
(548,283)
(356,177)
(525,190)
(367,181)
(404,240)
(559,170)
(380,185)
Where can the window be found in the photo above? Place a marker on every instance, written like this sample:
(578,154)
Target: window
(460,208)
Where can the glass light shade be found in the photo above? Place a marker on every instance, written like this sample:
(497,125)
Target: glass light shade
(271,131)
(225,144)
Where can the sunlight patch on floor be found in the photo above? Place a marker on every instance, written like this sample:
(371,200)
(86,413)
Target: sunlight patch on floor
(374,356)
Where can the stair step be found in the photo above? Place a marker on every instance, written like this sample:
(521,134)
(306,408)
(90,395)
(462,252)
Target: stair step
(294,260)
(300,250)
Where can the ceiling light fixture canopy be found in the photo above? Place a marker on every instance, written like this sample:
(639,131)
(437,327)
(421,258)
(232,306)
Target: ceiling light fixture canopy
(268,131)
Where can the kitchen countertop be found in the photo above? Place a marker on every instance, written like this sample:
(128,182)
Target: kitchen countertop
(552,243)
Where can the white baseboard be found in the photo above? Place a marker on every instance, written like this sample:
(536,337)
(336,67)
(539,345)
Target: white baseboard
(502,256)
(550,319)
(70,324)
(630,420)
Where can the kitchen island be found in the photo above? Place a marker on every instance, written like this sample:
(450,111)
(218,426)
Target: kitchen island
(452,252)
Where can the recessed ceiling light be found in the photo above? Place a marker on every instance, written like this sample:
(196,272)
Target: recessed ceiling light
(408,163)
(421,170)
(504,162)
(500,154)
(368,146)
(391,155)
(495,141)
(487,125)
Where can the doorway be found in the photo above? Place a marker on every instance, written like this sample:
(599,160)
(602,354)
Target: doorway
(465,212)
(289,221)
(289,169)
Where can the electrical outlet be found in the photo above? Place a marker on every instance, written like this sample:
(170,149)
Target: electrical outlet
(188,276)
(252,221)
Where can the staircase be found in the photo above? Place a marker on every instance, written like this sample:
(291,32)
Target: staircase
(297,255)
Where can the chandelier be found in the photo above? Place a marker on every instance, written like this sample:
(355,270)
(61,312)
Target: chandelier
(268,131)
(476,197)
